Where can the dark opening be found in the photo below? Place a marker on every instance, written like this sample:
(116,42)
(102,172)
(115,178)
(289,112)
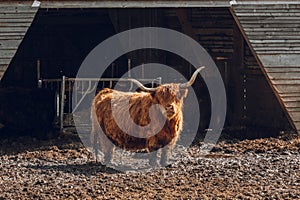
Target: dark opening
(61,38)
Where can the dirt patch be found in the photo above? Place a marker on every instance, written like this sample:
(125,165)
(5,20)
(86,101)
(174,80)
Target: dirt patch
(63,168)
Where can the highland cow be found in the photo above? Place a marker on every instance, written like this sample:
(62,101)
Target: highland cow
(168,96)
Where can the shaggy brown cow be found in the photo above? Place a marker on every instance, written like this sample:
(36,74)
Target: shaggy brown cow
(169,115)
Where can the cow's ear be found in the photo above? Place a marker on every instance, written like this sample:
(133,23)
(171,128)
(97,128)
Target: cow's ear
(183,93)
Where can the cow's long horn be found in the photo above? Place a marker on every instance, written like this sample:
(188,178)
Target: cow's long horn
(193,78)
(140,85)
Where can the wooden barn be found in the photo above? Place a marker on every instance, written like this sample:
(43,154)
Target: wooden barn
(255,44)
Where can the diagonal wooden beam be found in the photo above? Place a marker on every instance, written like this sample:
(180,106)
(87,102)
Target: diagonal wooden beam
(263,64)
(185,23)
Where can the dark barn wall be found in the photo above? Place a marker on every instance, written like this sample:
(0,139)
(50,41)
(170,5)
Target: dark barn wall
(251,102)
(26,112)
(261,106)
(62,38)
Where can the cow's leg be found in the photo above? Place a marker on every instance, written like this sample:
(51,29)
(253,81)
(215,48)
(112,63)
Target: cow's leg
(107,148)
(165,154)
(108,154)
(95,134)
(151,146)
(95,142)
(96,147)
(153,159)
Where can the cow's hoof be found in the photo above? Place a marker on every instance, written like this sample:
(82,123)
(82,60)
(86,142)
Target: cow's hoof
(153,163)
(164,163)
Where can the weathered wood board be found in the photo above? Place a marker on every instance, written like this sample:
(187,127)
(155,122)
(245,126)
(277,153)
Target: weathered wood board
(272,31)
(15,19)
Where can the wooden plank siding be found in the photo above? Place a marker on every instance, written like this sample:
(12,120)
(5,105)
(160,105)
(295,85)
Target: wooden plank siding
(272,32)
(261,106)
(216,38)
(15,19)
(251,102)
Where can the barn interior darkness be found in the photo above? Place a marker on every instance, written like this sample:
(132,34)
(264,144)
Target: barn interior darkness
(61,38)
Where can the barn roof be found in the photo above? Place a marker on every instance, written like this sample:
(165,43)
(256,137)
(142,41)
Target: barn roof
(140,3)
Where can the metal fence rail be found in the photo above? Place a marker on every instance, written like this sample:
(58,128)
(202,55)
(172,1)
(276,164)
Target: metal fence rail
(63,89)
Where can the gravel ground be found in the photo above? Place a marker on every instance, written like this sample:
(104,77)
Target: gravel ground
(62,168)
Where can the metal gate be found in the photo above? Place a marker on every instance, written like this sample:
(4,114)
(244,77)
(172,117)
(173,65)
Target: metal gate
(63,89)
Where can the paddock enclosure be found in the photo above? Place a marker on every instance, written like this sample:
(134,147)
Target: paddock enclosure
(255,44)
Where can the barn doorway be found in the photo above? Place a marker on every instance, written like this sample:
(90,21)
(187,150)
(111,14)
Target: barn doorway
(60,39)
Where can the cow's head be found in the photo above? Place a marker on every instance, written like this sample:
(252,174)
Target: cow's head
(170,96)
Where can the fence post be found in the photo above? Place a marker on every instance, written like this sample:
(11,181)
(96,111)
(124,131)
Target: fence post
(38,72)
(62,102)
(129,68)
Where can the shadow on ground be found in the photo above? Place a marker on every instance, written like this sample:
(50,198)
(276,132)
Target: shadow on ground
(13,144)
(87,169)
